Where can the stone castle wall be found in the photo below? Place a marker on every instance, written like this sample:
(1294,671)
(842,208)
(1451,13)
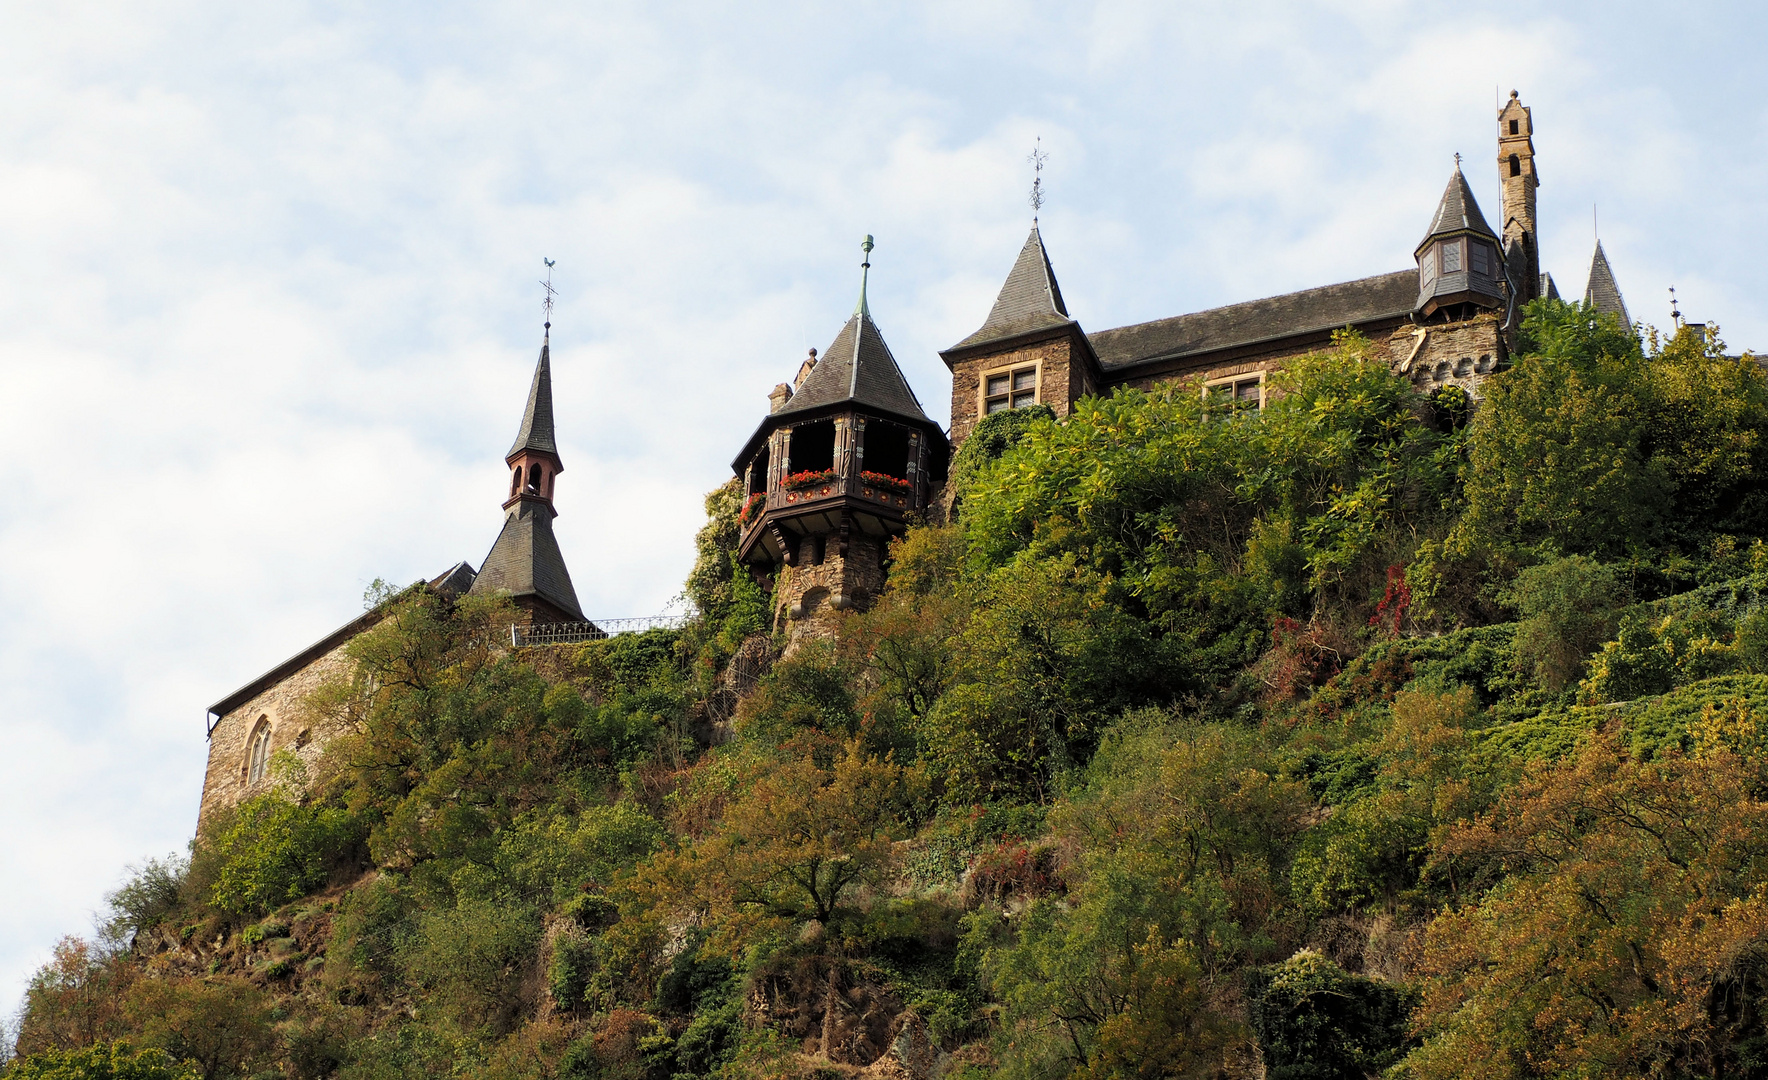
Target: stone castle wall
(282,706)
(1062,379)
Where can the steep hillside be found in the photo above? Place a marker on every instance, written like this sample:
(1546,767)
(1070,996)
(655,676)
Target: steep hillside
(1372,733)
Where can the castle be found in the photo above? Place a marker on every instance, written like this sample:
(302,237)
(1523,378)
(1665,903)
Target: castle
(846,457)
(265,716)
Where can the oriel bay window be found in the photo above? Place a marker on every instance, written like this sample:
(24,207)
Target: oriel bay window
(1009,388)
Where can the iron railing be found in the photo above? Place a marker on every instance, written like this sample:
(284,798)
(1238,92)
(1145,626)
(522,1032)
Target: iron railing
(575,633)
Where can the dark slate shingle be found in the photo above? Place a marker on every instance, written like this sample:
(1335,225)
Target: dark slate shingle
(1029,300)
(526,561)
(1458,212)
(857,368)
(1309,311)
(1602,291)
(537,418)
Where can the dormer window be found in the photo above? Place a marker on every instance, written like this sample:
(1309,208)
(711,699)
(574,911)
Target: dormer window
(1009,388)
(1451,250)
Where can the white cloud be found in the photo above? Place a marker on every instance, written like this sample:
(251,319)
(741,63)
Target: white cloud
(268,302)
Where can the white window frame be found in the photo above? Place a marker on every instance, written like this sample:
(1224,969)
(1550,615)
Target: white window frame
(1232,382)
(1037,385)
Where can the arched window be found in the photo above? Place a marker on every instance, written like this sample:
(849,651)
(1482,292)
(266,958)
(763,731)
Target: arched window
(534,477)
(1515,165)
(259,759)
(516,480)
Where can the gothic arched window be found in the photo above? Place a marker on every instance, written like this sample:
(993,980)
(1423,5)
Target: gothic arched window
(534,477)
(259,758)
(1515,165)
(516,480)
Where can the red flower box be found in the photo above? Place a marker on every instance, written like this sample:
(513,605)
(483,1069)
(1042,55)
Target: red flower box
(888,483)
(808,478)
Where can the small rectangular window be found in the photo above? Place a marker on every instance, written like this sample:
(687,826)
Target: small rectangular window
(1452,257)
(1513,130)
(1479,257)
(1240,394)
(1014,388)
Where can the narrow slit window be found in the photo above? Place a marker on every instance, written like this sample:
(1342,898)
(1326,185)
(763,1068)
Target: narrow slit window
(258,760)
(1515,165)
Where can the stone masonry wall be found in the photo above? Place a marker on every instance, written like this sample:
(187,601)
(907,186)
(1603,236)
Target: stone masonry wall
(224,783)
(1060,380)
(1452,354)
(857,577)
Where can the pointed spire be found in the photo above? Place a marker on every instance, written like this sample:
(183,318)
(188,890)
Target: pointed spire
(865,272)
(1457,212)
(1029,300)
(536,433)
(1602,292)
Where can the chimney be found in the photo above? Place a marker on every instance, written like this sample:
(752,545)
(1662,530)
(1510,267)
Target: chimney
(804,371)
(780,395)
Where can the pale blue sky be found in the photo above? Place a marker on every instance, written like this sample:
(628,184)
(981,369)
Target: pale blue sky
(268,300)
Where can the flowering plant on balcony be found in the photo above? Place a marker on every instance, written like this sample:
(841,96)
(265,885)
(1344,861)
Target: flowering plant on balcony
(753,508)
(887,482)
(808,478)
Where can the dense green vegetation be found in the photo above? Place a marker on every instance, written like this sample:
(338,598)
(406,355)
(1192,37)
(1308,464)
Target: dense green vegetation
(1375,734)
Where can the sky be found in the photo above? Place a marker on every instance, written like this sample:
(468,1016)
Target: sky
(270,301)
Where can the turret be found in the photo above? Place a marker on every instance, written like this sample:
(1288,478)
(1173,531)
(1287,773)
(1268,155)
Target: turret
(1602,293)
(525,562)
(1517,175)
(1459,270)
(837,467)
(1029,351)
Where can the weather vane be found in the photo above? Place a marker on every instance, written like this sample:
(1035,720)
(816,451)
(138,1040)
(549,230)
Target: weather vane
(1675,316)
(550,291)
(1037,159)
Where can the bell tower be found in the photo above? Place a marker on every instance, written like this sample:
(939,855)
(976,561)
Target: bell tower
(1517,175)
(525,562)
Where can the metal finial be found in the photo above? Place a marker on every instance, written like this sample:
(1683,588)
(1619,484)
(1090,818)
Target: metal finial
(1037,159)
(865,271)
(1675,316)
(547,304)
(1457,161)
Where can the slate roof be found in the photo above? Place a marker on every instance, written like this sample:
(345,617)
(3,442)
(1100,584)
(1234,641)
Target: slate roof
(526,561)
(454,581)
(1030,299)
(537,418)
(1458,212)
(1602,290)
(857,368)
(1329,307)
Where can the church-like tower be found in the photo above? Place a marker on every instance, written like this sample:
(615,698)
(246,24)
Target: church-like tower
(1517,176)
(525,562)
(836,469)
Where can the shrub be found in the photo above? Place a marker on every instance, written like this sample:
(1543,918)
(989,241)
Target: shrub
(1569,606)
(1316,1021)
(274,851)
(143,902)
(112,1061)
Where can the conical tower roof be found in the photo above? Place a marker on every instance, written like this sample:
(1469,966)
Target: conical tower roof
(526,560)
(1457,212)
(537,419)
(1602,292)
(857,368)
(1029,300)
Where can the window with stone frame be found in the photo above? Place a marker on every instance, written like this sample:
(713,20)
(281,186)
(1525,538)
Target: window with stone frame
(258,758)
(1009,388)
(1235,394)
